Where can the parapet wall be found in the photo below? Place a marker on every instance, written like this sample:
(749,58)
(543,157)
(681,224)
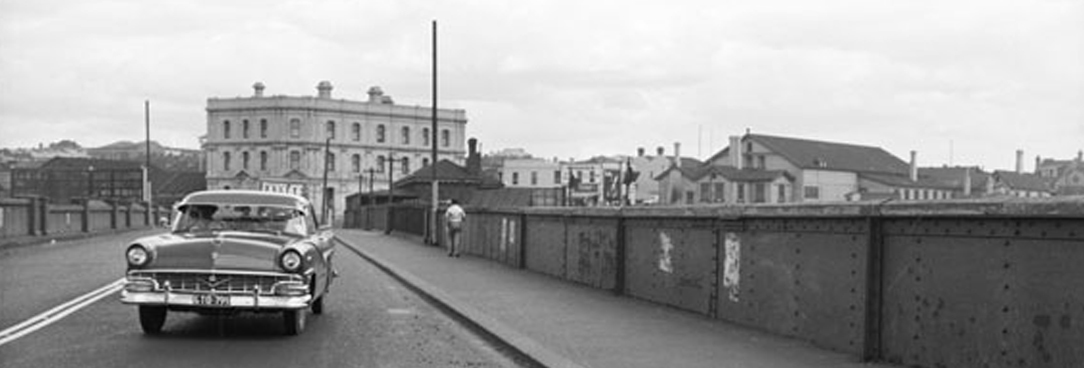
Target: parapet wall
(972,283)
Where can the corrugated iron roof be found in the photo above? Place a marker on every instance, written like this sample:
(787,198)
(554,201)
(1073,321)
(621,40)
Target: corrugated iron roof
(810,154)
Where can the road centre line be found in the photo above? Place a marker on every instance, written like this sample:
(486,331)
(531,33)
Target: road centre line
(48,317)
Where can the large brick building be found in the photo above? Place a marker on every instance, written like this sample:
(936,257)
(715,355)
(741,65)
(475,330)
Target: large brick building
(278,142)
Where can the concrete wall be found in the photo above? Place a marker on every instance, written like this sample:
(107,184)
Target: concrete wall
(947,284)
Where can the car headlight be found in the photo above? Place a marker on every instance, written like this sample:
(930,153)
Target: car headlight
(290,260)
(137,256)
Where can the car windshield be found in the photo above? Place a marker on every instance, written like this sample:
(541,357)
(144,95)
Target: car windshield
(197,218)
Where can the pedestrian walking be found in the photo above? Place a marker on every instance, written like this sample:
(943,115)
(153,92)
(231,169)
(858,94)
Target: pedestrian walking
(454,218)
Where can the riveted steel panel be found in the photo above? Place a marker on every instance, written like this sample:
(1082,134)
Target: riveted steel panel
(984,292)
(799,277)
(546,245)
(672,262)
(590,252)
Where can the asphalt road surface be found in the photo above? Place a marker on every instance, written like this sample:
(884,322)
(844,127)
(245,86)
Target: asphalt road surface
(370,320)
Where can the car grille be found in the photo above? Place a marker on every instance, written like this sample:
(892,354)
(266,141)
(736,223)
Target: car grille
(217,282)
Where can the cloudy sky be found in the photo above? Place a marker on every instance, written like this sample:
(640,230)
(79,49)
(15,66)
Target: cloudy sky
(966,82)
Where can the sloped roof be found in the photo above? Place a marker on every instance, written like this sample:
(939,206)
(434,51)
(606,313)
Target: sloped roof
(954,176)
(1024,181)
(83,163)
(182,183)
(904,181)
(731,173)
(446,171)
(810,154)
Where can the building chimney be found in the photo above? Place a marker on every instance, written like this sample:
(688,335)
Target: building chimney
(324,89)
(1079,156)
(967,182)
(914,166)
(639,152)
(474,159)
(735,152)
(258,89)
(677,154)
(659,151)
(1038,161)
(1019,161)
(376,95)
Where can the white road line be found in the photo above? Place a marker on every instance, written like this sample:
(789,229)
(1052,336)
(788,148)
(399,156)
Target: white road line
(48,317)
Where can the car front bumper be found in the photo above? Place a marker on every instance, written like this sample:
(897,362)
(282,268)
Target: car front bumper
(231,301)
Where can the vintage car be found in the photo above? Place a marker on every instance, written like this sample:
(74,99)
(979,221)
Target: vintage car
(232,251)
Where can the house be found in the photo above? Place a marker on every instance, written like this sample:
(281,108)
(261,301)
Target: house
(1067,175)
(1021,185)
(829,171)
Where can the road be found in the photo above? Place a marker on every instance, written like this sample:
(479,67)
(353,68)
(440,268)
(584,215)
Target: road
(370,321)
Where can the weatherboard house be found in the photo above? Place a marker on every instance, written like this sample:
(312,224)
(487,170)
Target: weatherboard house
(757,168)
(278,143)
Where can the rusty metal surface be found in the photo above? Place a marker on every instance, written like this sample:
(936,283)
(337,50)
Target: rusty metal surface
(984,293)
(590,252)
(545,249)
(801,278)
(672,262)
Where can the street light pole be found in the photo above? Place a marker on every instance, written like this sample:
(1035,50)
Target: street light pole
(431,237)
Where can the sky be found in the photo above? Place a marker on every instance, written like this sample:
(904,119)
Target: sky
(960,82)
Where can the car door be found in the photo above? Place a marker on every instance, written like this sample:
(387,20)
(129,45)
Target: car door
(321,237)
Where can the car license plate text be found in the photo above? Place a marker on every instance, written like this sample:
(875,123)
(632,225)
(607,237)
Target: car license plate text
(213,300)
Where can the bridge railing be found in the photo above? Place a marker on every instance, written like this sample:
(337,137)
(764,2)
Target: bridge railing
(957,284)
(26,219)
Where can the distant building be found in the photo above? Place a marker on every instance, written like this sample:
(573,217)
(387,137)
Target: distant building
(167,158)
(278,142)
(1021,185)
(531,173)
(646,189)
(1067,175)
(67,180)
(825,171)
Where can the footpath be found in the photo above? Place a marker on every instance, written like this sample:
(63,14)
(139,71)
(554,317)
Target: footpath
(561,324)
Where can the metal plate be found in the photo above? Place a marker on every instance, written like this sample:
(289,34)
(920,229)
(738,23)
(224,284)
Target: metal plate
(672,262)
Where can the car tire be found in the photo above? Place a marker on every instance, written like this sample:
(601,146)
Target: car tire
(318,305)
(294,321)
(151,318)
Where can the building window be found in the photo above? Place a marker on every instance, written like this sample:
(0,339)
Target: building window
(740,193)
(226,129)
(534,178)
(295,160)
(812,192)
(380,133)
(330,162)
(425,137)
(557,176)
(380,164)
(355,163)
(592,176)
(515,178)
(425,162)
(705,192)
(761,164)
(782,195)
(445,138)
(225,161)
(244,160)
(263,160)
(356,128)
(406,135)
(331,129)
(244,129)
(295,128)
(760,193)
(719,194)
(263,128)
(405,163)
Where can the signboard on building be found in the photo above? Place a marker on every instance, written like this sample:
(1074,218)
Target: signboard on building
(283,187)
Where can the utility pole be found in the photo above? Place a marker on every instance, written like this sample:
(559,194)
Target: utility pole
(323,207)
(146,173)
(391,192)
(372,201)
(431,232)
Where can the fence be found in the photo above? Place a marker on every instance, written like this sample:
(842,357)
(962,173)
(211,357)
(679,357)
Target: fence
(959,284)
(22,219)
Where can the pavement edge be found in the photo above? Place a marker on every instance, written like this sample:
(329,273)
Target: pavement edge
(523,344)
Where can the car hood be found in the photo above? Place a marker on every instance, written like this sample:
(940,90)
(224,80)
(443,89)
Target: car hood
(221,251)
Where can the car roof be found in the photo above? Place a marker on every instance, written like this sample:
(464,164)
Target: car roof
(245,197)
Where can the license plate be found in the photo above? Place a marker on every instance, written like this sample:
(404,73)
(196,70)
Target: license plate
(213,300)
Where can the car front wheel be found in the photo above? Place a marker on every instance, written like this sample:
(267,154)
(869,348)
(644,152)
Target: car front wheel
(318,305)
(294,320)
(151,318)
